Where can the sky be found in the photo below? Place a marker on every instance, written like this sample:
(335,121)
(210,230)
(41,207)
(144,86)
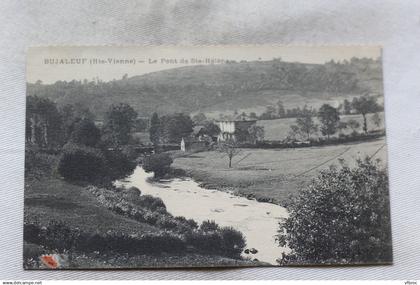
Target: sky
(50,64)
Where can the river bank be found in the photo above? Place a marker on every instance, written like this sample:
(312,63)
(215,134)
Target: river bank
(62,208)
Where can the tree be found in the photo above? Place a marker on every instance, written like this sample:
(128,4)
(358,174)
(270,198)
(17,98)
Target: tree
(365,105)
(199,118)
(269,114)
(281,112)
(346,107)
(233,242)
(155,129)
(341,217)
(353,124)
(329,118)
(158,163)
(376,119)
(175,127)
(85,132)
(305,123)
(71,115)
(82,163)
(119,122)
(256,133)
(211,129)
(44,122)
(253,116)
(230,148)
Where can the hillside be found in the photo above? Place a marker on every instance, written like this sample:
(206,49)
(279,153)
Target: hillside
(229,86)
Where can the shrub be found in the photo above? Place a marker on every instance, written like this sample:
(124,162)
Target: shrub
(59,237)
(233,242)
(39,164)
(205,242)
(118,164)
(85,132)
(158,163)
(208,226)
(150,202)
(81,163)
(342,217)
(132,194)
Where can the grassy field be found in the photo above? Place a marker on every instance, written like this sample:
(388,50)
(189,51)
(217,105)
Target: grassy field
(279,129)
(273,174)
(55,199)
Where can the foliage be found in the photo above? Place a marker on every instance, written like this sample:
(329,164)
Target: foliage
(38,164)
(158,163)
(175,127)
(81,163)
(233,241)
(211,129)
(269,114)
(43,122)
(365,105)
(329,118)
(210,238)
(256,133)
(155,129)
(198,87)
(59,237)
(72,114)
(118,124)
(353,124)
(207,226)
(199,119)
(305,125)
(346,107)
(118,164)
(376,119)
(85,132)
(281,112)
(342,217)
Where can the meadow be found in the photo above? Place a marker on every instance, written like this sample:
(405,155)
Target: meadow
(273,174)
(276,130)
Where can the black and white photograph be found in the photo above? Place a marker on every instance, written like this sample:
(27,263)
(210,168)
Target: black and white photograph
(205,156)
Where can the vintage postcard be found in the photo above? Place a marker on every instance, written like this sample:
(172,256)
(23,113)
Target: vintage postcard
(218,156)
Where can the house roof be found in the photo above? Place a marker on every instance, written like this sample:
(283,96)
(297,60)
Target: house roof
(197,129)
(236,120)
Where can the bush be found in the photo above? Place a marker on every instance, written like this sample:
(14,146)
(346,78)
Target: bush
(342,217)
(85,132)
(59,237)
(158,163)
(205,242)
(119,165)
(233,242)
(81,163)
(208,226)
(39,164)
(150,202)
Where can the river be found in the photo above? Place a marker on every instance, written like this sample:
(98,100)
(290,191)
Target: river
(258,221)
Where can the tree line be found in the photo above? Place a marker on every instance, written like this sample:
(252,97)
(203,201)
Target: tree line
(330,121)
(86,151)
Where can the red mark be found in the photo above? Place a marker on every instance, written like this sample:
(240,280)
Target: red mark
(50,261)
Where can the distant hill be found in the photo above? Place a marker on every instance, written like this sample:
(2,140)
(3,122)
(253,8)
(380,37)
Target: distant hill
(209,88)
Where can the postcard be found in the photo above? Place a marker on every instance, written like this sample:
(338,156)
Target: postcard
(205,156)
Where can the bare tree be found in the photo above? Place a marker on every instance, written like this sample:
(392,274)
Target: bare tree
(230,148)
